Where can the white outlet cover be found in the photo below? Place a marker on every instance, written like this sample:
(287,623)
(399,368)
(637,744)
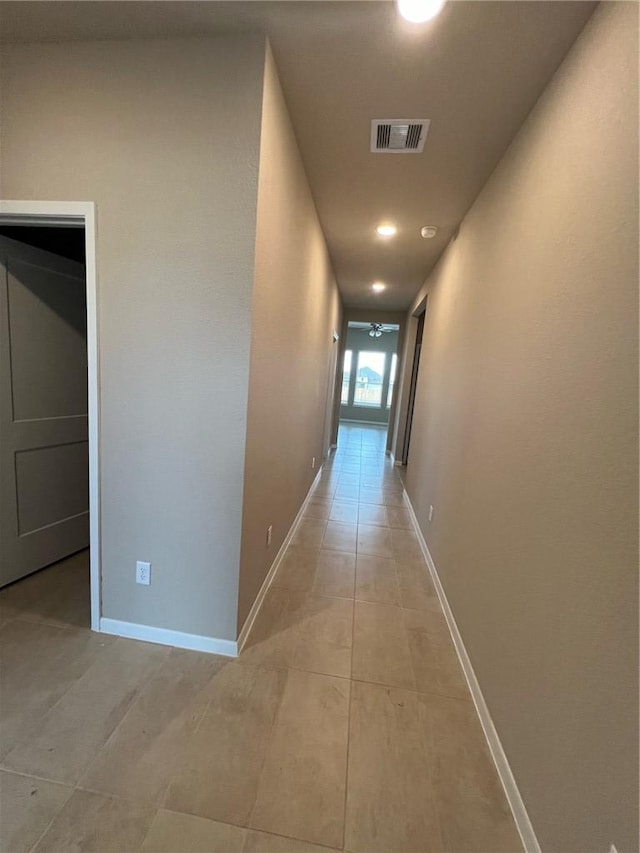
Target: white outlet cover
(143,572)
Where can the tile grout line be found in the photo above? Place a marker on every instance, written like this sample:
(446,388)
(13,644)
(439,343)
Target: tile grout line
(351,683)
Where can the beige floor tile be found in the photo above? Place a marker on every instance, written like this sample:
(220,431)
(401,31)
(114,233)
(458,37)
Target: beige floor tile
(389,795)
(394,498)
(405,545)
(349,478)
(376,580)
(469,799)
(38,664)
(309,533)
(27,806)
(302,787)
(318,509)
(375,541)
(372,496)
(270,642)
(324,491)
(416,587)
(399,517)
(340,537)
(435,663)
(371,481)
(347,492)
(344,511)
(297,569)
(93,823)
(374,514)
(335,574)
(139,759)
(172,832)
(73,731)
(380,646)
(324,636)
(218,775)
(265,842)
(56,595)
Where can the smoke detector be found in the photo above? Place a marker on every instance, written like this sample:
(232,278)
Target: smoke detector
(399,135)
(428,231)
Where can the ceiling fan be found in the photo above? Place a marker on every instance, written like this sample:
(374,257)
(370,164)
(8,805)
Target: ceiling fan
(376,330)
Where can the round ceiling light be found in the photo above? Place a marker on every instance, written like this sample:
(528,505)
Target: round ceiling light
(386,230)
(428,232)
(378,286)
(419,11)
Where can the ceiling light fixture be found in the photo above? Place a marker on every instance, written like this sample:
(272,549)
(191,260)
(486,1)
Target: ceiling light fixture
(378,286)
(419,11)
(387,230)
(428,232)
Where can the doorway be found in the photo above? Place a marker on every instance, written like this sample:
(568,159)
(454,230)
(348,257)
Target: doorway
(369,372)
(413,387)
(49,509)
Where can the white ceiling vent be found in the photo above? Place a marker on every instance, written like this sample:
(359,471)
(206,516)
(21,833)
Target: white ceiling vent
(399,135)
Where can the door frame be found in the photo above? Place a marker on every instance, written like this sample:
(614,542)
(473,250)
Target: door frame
(78,214)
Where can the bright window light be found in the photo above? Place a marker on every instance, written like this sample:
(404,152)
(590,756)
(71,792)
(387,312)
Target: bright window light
(419,11)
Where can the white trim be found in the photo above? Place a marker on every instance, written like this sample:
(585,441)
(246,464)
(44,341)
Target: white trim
(78,214)
(397,463)
(257,604)
(514,798)
(166,637)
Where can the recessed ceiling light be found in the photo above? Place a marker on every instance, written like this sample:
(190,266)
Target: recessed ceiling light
(419,11)
(378,286)
(386,230)
(429,231)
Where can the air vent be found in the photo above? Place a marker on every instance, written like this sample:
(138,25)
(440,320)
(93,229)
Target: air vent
(399,135)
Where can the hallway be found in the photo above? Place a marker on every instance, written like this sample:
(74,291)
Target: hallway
(345,723)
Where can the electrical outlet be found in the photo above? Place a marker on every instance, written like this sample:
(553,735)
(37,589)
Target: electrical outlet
(313,461)
(269,534)
(431,513)
(143,573)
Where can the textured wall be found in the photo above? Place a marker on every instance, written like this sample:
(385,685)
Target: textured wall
(164,137)
(295,309)
(525,442)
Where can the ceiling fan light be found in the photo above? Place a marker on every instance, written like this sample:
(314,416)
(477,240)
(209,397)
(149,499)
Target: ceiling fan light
(419,11)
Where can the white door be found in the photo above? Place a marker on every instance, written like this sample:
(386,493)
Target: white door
(44,467)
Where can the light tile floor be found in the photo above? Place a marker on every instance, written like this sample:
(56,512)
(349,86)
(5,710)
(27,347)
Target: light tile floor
(345,724)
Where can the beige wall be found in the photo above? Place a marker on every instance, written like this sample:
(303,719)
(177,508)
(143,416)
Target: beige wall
(295,309)
(525,442)
(164,137)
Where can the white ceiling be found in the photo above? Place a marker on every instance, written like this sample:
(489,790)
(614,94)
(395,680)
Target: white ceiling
(475,71)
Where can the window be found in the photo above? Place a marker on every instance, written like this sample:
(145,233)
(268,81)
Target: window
(392,379)
(346,375)
(369,376)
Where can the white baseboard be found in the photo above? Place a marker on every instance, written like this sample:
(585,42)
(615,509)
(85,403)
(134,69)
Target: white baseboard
(257,604)
(166,637)
(394,461)
(516,803)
